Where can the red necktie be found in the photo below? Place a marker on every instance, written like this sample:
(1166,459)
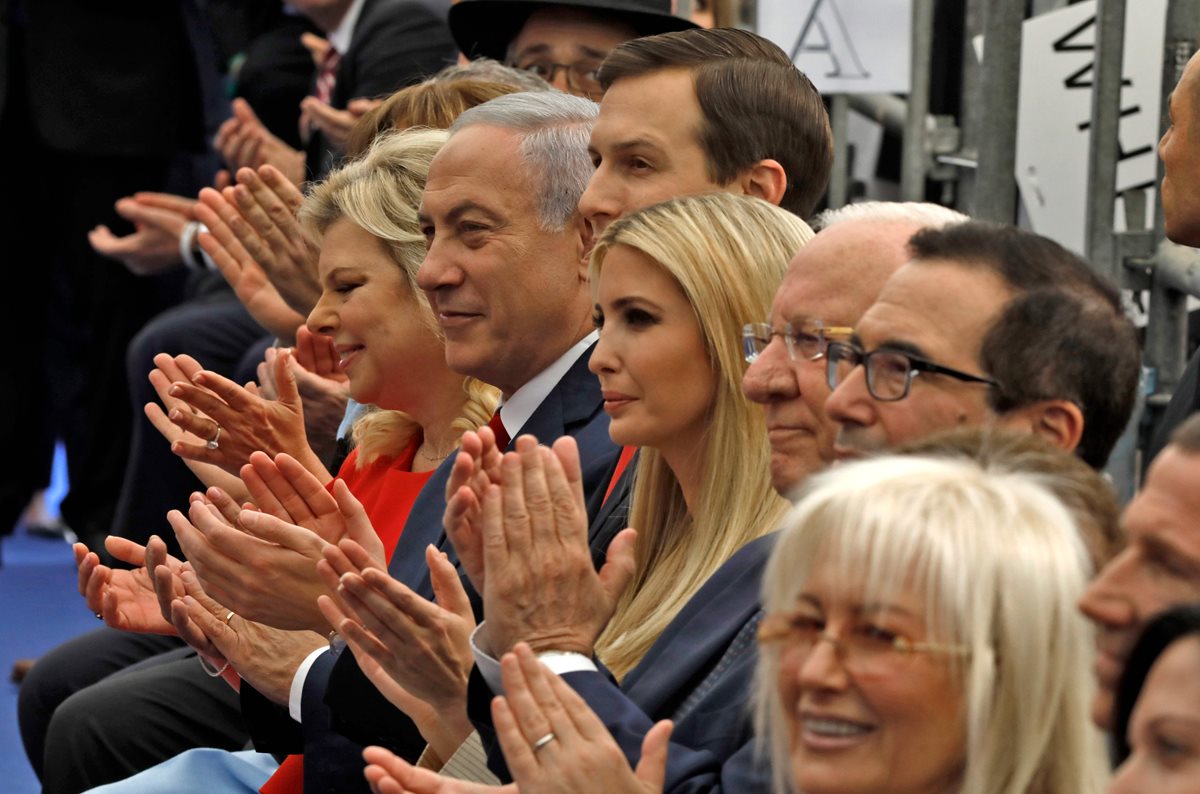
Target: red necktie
(327,74)
(497,427)
(288,778)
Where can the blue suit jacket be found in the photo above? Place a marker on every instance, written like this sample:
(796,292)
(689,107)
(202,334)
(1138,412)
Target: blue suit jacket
(342,710)
(699,673)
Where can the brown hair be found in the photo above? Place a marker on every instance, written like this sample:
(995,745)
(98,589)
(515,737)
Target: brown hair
(428,104)
(1082,490)
(756,105)
(1063,336)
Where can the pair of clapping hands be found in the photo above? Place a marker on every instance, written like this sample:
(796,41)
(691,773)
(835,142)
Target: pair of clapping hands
(581,756)
(519,525)
(208,601)
(253,239)
(296,410)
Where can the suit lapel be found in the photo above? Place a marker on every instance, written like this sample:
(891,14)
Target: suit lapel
(698,636)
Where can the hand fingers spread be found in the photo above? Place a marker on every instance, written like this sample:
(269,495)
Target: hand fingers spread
(528,710)
(570,512)
(273,530)
(518,531)
(447,586)
(537,681)
(619,564)
(285,190)
(518,750)
(274,491)
(358,524)
(652,767)
(166,428)
(385,596)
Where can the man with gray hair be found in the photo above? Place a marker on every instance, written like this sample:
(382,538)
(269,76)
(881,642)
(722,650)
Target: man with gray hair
(506,276)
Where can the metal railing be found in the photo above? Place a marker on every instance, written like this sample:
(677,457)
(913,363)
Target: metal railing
(974,159)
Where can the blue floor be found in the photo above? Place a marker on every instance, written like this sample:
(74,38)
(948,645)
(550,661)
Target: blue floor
(40,607)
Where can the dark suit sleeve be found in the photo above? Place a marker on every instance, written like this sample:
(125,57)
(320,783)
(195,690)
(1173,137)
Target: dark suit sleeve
(688,769)
(1183,404)
(272,729)
(396,44)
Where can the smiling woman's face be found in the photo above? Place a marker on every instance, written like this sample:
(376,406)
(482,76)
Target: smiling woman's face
(864,720)
(1164,730)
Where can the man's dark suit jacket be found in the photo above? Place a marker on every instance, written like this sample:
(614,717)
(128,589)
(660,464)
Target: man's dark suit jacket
(395,43)
(342,710)
(108,79)
(699,674)
(1184,402)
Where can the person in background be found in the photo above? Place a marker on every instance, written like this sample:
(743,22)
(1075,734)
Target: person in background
(1156,729)
(1159,567)
(562,41)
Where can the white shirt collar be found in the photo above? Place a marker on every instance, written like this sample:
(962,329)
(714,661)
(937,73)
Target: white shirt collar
(516,410)
(341,36)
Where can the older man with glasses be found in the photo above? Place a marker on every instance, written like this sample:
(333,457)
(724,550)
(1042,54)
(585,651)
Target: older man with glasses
(987,324)
(830,283)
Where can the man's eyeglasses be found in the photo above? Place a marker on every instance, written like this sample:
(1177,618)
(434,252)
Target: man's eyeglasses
(890,373)
(807,340)
(582,77)
(864,649)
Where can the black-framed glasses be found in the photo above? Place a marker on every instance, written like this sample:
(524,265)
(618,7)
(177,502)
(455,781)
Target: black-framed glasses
(863,648)
(890,373)
(582,77)
(804,340)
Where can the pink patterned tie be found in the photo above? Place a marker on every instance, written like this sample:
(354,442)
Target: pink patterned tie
(327,75)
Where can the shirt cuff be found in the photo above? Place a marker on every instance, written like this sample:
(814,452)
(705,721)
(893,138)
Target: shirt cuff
(563,662)
(488,666)
(469,762)
(558,662)
(296,693)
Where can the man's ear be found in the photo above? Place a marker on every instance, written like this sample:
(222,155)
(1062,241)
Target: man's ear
(585,238)
(766,180)
(1059,422)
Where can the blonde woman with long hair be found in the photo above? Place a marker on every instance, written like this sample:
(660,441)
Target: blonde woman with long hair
(702,488)
(921,635)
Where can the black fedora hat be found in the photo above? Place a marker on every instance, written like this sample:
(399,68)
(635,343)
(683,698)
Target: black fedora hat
(485,28)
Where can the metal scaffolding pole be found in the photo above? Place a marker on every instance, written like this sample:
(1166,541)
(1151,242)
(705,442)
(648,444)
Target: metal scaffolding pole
(1104,144)
(971,112)
(995,190)
(839,177)
(915,158)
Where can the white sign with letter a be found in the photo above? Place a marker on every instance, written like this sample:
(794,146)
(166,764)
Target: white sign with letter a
(844,46)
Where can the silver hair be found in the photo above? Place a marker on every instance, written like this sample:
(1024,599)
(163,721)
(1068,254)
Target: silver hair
(554,129)
(493,71)
(921,213)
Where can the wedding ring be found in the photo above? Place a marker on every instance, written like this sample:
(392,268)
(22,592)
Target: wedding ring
(213,442)
(229,617)
(542,742)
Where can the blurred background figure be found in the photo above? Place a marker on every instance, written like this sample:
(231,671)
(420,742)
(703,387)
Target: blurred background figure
(1156,731)
(561,41)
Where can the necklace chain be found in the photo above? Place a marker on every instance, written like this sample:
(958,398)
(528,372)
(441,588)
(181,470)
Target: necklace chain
(437,455)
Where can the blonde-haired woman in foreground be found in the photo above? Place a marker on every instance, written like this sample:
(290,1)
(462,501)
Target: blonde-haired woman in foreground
(921,636)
